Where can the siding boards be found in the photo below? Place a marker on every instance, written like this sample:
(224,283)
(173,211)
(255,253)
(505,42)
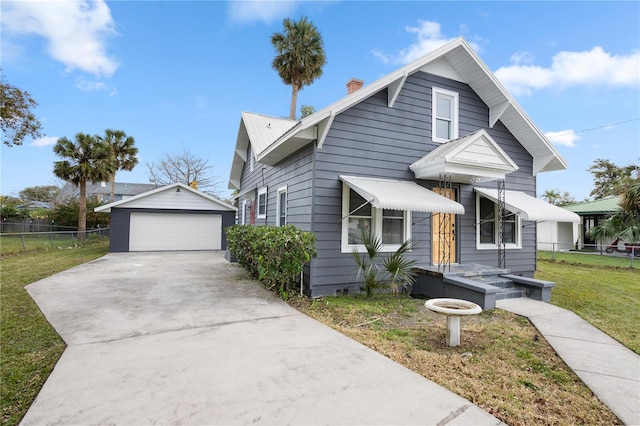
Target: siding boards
(371,139)
(295,172)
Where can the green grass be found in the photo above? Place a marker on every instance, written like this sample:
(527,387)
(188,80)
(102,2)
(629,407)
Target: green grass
(502,364)
(29,346)
(29,242)
(606,297)
(589,258)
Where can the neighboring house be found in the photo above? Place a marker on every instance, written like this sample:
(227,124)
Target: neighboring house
(591,214)
(102,190)
(419,154)
(172,217)
(36,205)
(557,236)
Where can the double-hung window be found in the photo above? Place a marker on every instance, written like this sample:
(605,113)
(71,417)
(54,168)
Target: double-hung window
(488,232)
(244,212)
(444,115)
(281,206)
(262,203)
(392,227)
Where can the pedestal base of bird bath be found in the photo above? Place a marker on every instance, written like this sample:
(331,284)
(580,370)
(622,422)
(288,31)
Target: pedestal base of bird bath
(453,309)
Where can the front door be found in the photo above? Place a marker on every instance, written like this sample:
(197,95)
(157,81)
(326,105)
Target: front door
(443,230)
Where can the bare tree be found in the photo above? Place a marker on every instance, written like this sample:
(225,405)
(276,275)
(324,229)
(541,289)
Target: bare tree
(185,167)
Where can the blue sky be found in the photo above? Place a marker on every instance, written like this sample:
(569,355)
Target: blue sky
(176,74)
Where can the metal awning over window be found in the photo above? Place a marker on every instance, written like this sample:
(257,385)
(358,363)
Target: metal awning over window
(401,195)
(530,208)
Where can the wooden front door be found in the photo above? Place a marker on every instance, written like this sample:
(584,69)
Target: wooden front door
(443,230)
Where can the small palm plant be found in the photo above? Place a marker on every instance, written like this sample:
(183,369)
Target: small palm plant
(396,271)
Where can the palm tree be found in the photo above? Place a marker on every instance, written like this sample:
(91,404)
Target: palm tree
(123,154)
(625,222)
(300,56)
(87,159)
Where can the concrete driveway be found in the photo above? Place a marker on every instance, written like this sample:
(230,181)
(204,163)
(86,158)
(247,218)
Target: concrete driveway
(185,338)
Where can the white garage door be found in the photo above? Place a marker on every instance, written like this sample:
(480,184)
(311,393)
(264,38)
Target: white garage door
(174,231)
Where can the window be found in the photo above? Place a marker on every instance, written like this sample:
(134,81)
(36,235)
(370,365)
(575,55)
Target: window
(392,227)
(444,119)
(262,203)
(250,158)
(244,212)
(487,229)
(281,207)
(358,216)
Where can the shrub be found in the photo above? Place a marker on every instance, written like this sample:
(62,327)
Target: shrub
(275,255)
(396,272)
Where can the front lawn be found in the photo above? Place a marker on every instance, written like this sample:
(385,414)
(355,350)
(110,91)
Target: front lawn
(503,364)
(607,297)
(590,258)
(29,346)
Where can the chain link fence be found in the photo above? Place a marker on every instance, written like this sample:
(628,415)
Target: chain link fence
(624,252)
(19,242)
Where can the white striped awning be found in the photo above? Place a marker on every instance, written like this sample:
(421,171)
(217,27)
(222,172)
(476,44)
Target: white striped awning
(401,195)
(530,208)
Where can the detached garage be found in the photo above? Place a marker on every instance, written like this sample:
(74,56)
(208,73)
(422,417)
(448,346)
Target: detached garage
(173,217)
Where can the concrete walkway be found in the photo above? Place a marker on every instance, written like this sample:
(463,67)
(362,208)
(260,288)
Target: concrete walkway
(187,339)
(609,369)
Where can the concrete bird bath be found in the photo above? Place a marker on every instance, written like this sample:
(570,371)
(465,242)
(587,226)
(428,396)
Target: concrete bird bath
(453,309)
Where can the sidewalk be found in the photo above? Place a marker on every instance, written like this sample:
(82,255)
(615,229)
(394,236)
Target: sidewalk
(608,368)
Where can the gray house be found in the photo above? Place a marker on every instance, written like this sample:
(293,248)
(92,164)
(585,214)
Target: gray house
(437,152)
(102,190)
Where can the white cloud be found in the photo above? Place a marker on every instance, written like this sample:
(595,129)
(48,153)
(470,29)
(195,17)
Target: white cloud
(428,38)
(594,68)
(564,137)
(76,31)
(45,141)
(90,86)
(260,10)
(519,58)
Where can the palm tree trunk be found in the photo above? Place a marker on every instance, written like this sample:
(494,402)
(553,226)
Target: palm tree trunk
(294,101)
(112,198)
(82,210)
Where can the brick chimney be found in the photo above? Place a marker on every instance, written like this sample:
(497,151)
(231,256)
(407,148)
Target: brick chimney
(353,85)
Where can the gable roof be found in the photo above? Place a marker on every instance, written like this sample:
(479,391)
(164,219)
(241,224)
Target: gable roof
(602,206)
(473,158)
(259,130)
(104,188)
(142,200)
(455,60)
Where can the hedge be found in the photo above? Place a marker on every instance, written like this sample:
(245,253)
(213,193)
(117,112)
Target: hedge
(276,255)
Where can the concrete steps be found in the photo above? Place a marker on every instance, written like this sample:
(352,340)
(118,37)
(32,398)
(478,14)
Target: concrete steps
(477,283)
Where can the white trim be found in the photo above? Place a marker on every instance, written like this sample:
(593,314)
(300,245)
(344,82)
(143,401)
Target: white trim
(244,212)
(437,92)
(376,225)
(281,190)
(261,191)
(252,159)
(493,246)
(178,187)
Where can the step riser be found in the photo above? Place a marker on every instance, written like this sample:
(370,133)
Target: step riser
(510,294)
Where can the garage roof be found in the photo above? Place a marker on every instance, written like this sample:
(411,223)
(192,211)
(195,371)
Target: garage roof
(176,196)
